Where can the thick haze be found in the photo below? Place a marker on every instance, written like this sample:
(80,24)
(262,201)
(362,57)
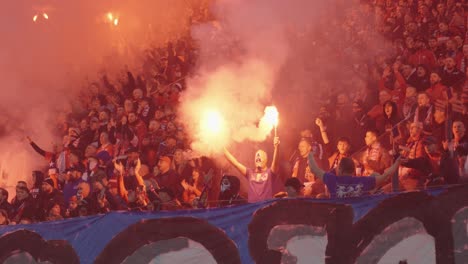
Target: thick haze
(287,53)
(43,64)
(258,53)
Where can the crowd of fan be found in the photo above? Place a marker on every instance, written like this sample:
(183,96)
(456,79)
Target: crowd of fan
(127,150)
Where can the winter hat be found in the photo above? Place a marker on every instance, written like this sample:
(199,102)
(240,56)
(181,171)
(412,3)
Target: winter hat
(49,181)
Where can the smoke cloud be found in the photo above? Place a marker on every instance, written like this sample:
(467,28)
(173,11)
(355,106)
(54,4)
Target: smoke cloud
(291,54)
(51,50)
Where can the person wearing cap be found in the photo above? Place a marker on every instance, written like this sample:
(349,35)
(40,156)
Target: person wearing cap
(73,179)
(48,197)
(263,181)
(168,177)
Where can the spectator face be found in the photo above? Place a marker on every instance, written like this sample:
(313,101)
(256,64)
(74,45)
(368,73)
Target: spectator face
(304,148)
(171,142)
(458,129)
(423,100)
(154,125)
(450,63)
(137,94)
(104,138)
(47,188)
(441,9)
(178,156)
(94,125)
(388,109)
(158,114)
(171,127)
(72,205)
(409,41)
(90,151)
(260,159)
(410,91)
(103,116)
(128,106)
(432,43)
(95,104)
(370,138)
(450,45)
(84,125)
(458,41)
(132,118)
(341,99)
(406,70)
(434,78)
(415,130)
(195,175)
(384,96)
(421,72)
(21,194)
(343,147)
(439,116)
(356,108)
(55,210)
(120,111)
(443,27)
(163,165)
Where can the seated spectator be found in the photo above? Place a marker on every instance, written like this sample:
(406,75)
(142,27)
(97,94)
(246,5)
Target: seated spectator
(54,213)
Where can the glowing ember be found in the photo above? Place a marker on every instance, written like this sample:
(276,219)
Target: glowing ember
(35,18)
(110,16)
(116,22)
(271,115)
(45,16)
(212,122)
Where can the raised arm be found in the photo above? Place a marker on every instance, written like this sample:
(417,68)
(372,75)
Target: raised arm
(380,178)
(314,168)
(122,190)
(323,130)
(138,175)
(274,162)
(239,166)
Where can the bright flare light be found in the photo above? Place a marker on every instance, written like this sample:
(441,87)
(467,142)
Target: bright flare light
(116,22)
(45,16)
(271,115)
(212,122)
(110,16)
(35,18)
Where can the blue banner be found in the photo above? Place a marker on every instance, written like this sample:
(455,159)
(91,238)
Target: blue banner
(429,226)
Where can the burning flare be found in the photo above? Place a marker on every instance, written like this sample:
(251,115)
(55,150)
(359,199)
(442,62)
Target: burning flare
(271,116)
(45,16)
(212,122)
